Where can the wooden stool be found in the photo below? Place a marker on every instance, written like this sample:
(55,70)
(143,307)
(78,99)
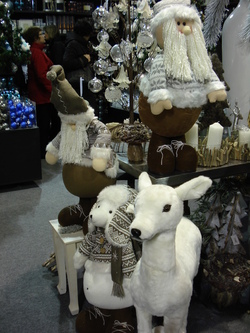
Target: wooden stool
(65,246)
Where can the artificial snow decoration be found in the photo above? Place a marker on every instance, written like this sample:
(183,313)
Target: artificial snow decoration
(122,6)
(122,79)
(103,49)
(144,9)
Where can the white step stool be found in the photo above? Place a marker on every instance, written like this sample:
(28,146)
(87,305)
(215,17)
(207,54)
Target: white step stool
(65,246)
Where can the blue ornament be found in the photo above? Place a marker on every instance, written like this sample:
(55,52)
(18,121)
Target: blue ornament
(18,120)
(10,102)
(12,108)
(19,106)
(32,118)
(25,118)
(19,113)
(31,109)
(23,124)
(13,115)
(14,125)
(26,111)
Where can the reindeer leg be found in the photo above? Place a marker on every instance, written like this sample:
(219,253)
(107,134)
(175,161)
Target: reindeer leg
(144,321)
(176,324)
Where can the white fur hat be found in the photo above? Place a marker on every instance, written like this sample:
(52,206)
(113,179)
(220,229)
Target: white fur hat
(168,9)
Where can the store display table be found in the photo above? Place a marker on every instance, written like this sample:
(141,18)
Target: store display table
(65,246)
(133,170)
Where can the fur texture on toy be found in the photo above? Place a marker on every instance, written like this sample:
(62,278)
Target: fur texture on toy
(161,284)
(83,146)
(108,255)
(180,81)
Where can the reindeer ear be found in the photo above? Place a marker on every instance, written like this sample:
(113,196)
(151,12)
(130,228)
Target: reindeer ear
(194,188)
(144,181)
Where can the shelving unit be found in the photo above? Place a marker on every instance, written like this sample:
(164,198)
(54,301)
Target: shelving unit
(42,12)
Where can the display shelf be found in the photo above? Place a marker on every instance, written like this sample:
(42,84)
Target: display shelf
(20,156)
(233,168)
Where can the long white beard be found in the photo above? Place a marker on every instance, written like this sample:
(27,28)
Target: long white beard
(185,57)
(74,143)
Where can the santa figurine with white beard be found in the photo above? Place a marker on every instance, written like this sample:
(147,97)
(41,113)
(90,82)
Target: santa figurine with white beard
(83,146)
(180,81)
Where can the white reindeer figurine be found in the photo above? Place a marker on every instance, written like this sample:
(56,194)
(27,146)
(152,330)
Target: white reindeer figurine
(162,282)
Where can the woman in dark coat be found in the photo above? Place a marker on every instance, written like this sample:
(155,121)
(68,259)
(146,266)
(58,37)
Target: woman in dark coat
(55,44)
(77,59)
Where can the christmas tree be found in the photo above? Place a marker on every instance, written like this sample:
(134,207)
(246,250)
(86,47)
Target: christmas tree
(14,51)
(225,267)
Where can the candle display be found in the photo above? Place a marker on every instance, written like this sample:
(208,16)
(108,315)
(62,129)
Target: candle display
(215,133)
(244,137)
(192,136)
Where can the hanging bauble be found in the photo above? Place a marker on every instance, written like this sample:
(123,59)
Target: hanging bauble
(112,67)
(147,64)
(95,85)
(126,47)
(113,94)
(100,66)
(100,15)
(102,36)
(145,39)
(116,53)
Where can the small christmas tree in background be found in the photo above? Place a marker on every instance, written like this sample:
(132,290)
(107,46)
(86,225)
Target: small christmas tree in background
(225,267)
(14,51)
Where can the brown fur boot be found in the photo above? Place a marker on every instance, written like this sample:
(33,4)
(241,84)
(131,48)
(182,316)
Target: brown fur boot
(93,320)
(122,321)
(186,157)
(161,159)
(76,214)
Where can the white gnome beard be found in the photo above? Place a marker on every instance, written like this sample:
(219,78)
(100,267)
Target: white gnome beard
(185,57)
(73,143)
(197,53)
(176,61)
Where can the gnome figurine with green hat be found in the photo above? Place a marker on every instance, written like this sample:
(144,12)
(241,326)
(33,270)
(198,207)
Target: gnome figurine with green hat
(83,146)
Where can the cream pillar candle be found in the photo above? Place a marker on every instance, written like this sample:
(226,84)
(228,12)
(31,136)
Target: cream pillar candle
(215,133)
(192,136)
(244,137)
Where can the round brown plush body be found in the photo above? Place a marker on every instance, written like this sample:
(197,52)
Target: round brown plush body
(168,127)
(84,182)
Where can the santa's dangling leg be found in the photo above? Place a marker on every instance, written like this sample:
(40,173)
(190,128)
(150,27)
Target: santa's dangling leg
(77,214)
(186,158)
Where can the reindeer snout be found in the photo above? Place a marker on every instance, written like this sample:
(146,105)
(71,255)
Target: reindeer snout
(136,233)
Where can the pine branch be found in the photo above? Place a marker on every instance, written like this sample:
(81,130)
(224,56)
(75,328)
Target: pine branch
(214,14)
(231,223)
